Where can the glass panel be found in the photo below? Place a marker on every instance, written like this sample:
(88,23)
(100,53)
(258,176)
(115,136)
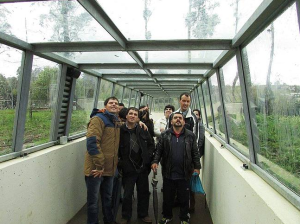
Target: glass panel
(234,106)
(10,60)
(121,71)
(126,97)
(217,108)
(202,107)
(176,71)
(179,56)
(132,100)
(51,21)
(118,92)
(207,105)
(83,103)
(104,93)
(42,99)
(170,19)
(97,57)
(273,74)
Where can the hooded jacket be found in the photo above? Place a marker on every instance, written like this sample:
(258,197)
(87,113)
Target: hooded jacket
(102,143)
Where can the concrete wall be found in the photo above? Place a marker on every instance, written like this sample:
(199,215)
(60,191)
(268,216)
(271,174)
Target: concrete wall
(238,196)
(45,187)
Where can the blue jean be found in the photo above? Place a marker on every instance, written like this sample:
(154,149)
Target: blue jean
(103,185)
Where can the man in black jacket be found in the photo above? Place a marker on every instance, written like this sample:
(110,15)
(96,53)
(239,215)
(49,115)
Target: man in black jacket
(178,151)
(135,155)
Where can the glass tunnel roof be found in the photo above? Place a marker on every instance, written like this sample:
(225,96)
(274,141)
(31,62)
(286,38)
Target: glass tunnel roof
(133,42)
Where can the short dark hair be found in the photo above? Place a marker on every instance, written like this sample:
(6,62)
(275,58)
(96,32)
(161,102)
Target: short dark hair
(142,107)
(197,111)
(185,94)
(123,113)
(170,106)
(121,104)
(177,113)
(132,108)
(110,98)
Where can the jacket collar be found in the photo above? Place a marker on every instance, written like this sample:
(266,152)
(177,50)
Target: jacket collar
(189,112)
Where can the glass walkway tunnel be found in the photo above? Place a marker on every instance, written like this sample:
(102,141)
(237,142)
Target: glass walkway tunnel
(238,60)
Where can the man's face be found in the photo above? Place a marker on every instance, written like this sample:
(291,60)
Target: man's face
(120,108)
(185,102)
(168,111)
(177,120)
(112,106)
(132,116)
(197,114)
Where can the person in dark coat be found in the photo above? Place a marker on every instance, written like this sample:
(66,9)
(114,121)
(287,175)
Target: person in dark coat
(178,151)
(145,118)
(135,156)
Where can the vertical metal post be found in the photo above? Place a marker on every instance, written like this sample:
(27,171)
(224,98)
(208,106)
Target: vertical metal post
(122,97)
(204,105)
(22,101)
(129,97)
(298,12)
(211,105)
(136,98)
(249,112)
(97,91)
(199,102)
(221,89)
(113,89)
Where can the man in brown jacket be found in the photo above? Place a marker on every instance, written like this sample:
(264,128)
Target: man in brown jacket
(101,158)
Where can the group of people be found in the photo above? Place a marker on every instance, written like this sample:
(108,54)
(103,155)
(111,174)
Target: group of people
(122,140)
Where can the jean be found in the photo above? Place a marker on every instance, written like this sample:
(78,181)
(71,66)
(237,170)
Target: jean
(104,186)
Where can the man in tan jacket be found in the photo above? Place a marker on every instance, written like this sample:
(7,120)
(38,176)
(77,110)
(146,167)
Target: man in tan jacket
(101,158)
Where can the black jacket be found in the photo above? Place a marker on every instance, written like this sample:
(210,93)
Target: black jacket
(146,144)
(164,153)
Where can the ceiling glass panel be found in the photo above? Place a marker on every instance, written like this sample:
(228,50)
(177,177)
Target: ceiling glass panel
(50,21)
(121,71)
(178,71)
(180,56)
(171,19)
(97,57)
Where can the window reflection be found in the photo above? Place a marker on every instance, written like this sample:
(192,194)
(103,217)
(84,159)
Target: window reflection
(218,114)
(202,106)
(42,98)
(207,105)
(83,103)
(234,106)
(10,60)
(273,75)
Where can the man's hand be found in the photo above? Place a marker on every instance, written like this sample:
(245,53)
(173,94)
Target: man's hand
(197,171)
(154,167)
(142,125)
(97,173)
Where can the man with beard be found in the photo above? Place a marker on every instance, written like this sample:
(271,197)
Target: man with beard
(178,151)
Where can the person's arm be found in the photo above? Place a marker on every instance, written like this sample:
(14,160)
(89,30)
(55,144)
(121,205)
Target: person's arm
(157,154)
(195,155)
(201,139)
(94,134)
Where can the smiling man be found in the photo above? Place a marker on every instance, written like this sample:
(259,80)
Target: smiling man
(101,159)
(135,155)
(177,150)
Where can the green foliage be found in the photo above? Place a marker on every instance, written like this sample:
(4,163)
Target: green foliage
(201,19)
(79,121)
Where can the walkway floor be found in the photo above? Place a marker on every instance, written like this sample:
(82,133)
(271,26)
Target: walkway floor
(201,215)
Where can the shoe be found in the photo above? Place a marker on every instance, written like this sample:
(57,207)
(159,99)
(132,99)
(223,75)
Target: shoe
(184,222)
(164,220)
(146,219)
(124,221)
